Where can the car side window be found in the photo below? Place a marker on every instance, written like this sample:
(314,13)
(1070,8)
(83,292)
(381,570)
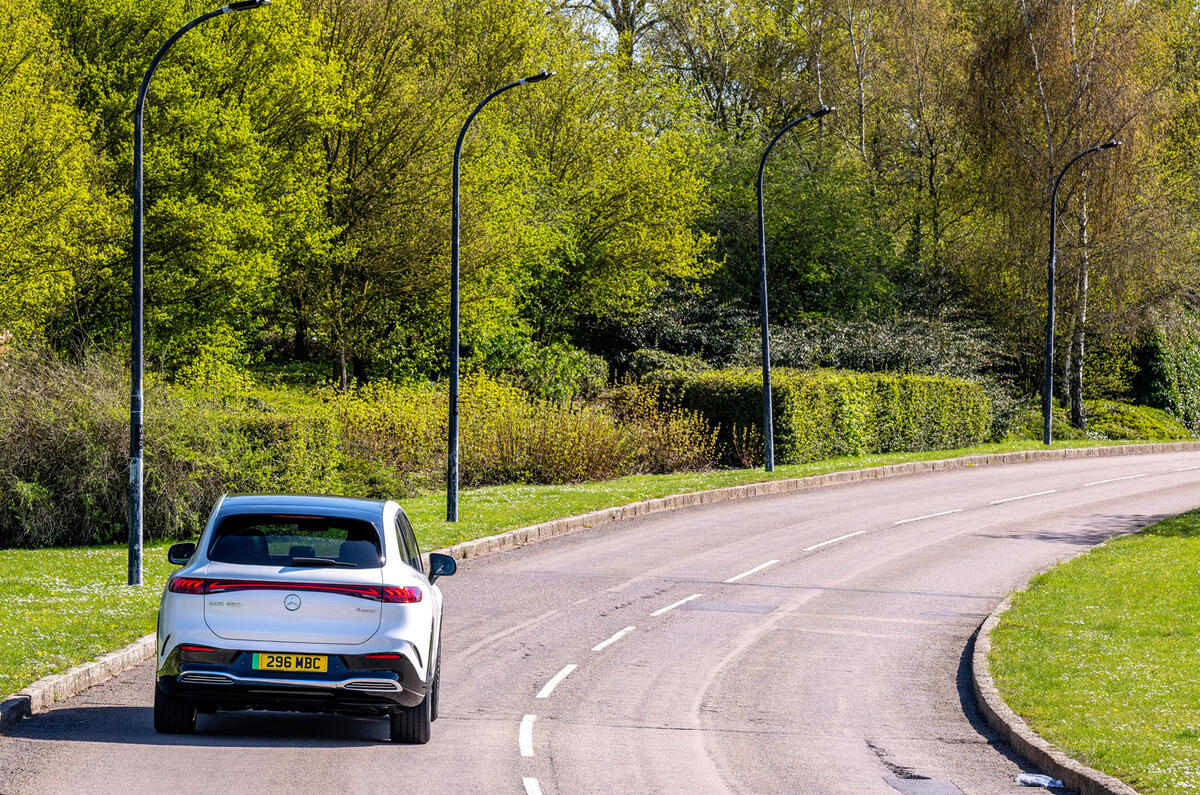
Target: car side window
(414,557)
(401,540)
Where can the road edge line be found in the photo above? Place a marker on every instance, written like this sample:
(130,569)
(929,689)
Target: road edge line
(41,695)
(1025,741)
(511,539)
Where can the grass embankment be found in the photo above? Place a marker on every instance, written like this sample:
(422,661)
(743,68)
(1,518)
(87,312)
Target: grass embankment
(61,607)
(1099,657)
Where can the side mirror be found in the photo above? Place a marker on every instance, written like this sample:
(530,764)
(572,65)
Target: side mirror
(441,566)
(180,554)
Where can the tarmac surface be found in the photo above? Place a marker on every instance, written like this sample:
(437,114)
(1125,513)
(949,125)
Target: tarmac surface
(815,642)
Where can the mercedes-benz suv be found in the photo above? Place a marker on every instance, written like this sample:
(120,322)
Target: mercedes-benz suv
(312,604)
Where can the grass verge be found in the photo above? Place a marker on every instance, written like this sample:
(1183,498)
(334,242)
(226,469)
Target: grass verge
(1099,657)
(495,509)
(62,607)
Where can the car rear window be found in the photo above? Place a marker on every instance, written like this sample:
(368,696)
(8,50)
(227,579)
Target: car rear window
(310,541)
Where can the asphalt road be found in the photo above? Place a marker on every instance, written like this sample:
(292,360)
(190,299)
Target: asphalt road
(813,642)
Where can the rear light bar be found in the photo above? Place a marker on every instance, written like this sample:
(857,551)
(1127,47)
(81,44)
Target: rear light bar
(392,594)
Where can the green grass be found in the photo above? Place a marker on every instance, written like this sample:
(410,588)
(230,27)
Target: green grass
(1099,656)
(61,607)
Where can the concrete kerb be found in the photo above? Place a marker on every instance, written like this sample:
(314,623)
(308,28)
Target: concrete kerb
(1048,757)
(488,545)
(40,695)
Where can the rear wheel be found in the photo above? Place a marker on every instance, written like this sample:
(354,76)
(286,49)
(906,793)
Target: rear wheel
(173,715)
(411,725)
(436,689)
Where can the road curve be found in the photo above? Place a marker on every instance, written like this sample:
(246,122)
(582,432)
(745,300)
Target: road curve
(810,642)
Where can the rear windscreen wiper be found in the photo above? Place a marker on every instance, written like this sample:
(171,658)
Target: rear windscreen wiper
(322,562)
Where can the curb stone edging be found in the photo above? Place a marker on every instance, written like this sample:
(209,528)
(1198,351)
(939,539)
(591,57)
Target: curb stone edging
(1024,740)
(40,695)
(58,687)
(513,538)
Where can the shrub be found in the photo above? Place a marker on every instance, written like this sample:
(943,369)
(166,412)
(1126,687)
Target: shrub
(1169,371)
(1106,420)
(64,441)
(824,413)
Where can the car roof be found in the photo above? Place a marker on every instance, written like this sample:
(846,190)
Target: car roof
(348,507)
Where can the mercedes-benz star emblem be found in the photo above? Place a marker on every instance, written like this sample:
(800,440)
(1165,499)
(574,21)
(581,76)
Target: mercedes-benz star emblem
(291,602)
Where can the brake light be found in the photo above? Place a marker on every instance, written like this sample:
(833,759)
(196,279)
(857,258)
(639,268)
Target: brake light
(192,647)
(395,594)
(400,594)
(186,585)
(382,656)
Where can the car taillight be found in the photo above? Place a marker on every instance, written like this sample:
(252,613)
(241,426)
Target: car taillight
(193,647)
(397,594)
(400,594)
(381,656)
(187,585)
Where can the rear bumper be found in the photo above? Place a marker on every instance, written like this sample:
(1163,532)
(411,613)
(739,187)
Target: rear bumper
(360,695)
(224,679)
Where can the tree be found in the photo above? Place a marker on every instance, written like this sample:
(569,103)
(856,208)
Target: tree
(54,216)
(1049,80)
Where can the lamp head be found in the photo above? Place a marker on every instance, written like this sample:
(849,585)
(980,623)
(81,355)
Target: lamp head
(1110,143)
(539,77)
(821,111)
(245,5)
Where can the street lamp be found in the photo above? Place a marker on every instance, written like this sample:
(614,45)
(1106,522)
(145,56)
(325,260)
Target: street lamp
(768,420)
(135,394)
(1048,386)
(452,441)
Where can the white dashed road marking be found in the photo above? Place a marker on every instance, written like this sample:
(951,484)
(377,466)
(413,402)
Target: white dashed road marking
(833,541)
(754,570)
(604,644)
(1114,480)
(525,736)
(553,683)
(1023,496)
(683,601)
(531,786)
(929,516)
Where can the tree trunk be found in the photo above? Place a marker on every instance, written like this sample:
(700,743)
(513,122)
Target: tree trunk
(300,346)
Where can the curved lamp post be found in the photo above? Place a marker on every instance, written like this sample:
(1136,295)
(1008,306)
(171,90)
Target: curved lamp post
(135,392)
(768,420)
(1048,385)
(452,442)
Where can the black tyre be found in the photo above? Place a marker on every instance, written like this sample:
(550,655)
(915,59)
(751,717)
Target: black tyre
(436,688)
(173,715)
(411,725)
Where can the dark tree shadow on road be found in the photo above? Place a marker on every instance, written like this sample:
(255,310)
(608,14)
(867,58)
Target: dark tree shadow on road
(135,726)
(1086,532)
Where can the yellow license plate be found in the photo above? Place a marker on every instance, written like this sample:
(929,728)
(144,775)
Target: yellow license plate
(308,663)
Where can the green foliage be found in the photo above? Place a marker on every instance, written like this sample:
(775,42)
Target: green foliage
(558,372)
(1106,420)
(826,252)
(648,360)
(823,414)
(54,216)
(1168,374)
(63,435)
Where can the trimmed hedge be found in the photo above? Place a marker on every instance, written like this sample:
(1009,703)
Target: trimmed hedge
(823,414)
